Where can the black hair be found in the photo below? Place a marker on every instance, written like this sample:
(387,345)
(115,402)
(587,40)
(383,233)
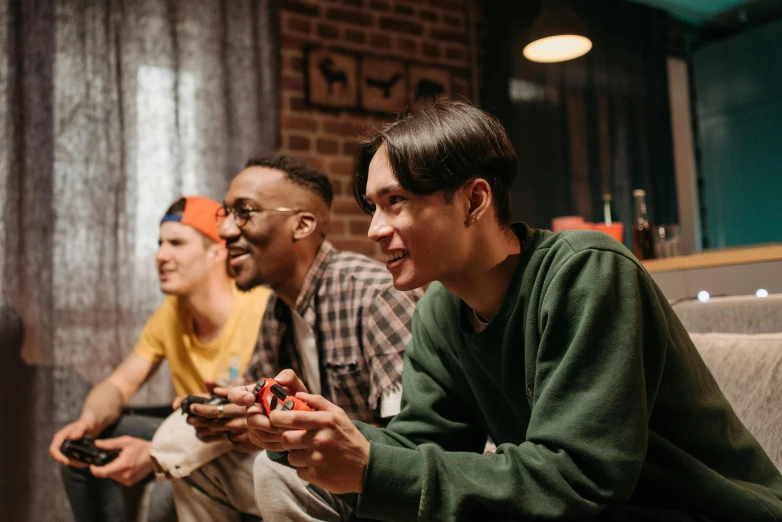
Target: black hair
(440,148)
(297,171)
(177,208)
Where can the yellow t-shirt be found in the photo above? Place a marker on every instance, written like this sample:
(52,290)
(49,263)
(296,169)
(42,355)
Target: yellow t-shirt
(169,335)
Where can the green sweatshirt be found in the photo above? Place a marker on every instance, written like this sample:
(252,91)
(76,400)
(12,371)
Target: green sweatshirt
(591,389)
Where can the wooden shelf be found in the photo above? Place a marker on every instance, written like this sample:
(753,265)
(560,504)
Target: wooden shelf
(723,257)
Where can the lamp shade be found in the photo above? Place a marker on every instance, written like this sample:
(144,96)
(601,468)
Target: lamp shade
(556,35)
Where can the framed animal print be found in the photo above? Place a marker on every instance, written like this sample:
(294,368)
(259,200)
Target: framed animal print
(383,84)
(427,84)
(331,79)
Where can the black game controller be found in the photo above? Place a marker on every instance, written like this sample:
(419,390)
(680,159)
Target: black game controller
(188,401)
(84,450)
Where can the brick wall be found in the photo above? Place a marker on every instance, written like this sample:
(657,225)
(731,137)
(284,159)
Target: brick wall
(430,32)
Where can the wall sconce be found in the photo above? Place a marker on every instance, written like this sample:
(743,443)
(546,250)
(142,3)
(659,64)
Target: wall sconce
(556,35)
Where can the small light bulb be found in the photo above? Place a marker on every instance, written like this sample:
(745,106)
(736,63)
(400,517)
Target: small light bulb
(762,292)
(703,296)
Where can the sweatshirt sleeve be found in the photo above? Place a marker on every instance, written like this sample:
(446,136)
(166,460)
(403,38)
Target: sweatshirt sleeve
(602,345)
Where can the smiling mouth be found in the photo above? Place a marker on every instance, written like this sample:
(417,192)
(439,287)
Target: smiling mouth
(394,257)
(236,256)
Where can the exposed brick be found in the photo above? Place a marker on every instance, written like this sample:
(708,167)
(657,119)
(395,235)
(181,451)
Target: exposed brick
(359,228)
(298,143)
(296,6)
(337,186)
(432,50)
(293,43)
(447,35)
(293,83)
(407,45)
(346,205)
(453,21)
(316,161)
(350,147)
(299,25)
(461,88)
(429,15)
(349,16)
(364,246)
(380,41)
(450,5)
(354,3)
(456,53)
(355,36)
(328,31)
(401,26)
(343,128)
(336,227)
(296,103)
(379,6)
(303,123)
(325,146)
(403,9)
(295,64)
(340,167)
(460,72)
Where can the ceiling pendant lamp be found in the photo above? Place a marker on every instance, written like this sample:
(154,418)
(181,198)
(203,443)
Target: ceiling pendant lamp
(556,35)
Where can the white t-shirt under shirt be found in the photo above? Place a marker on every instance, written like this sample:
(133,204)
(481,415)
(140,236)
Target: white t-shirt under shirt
(390,400)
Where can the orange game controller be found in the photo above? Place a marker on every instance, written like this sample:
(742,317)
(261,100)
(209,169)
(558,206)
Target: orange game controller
(272,397)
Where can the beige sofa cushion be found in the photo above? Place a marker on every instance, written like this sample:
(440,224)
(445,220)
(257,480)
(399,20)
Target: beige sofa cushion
(748,369)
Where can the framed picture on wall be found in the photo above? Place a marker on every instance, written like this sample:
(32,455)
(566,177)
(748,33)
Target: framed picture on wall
(383,85)
(427,84)
(331,79)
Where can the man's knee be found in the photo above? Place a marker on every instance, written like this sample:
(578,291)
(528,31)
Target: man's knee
(267,471)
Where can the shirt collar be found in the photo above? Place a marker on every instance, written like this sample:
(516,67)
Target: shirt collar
(314,276)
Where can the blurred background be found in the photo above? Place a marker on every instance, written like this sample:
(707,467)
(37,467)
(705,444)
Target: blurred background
(111,109)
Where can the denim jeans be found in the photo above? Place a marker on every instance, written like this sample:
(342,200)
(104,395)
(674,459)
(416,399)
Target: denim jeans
(102,500)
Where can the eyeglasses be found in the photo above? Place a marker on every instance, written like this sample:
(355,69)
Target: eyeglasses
(242,215)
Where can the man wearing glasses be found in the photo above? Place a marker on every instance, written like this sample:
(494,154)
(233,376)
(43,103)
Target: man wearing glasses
(335,319)
(206,329)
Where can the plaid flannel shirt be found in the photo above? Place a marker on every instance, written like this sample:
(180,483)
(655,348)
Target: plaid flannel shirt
(361,325)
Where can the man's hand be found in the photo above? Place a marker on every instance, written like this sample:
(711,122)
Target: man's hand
(74,431)
(261,433)
(132,464)
(231,425)
(324,446)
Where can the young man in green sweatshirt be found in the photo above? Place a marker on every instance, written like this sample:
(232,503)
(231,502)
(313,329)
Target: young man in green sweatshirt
(559,347)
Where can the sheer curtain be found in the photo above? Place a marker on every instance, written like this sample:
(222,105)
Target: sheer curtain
(109,110)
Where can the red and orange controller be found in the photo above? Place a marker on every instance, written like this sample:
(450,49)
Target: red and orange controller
(272,397)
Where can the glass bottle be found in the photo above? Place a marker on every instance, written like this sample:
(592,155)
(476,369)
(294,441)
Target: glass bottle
(609,213)
(643,239)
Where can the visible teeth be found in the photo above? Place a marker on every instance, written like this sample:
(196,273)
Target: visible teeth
(396,255)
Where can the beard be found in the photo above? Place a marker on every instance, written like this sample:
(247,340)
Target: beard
(248,285)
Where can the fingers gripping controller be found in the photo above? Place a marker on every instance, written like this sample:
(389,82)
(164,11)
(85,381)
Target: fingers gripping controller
(272,397)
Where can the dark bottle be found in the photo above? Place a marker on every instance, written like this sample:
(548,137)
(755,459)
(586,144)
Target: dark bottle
(609,213)
(643,240)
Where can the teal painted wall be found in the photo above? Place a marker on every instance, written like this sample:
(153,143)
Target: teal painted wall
(738,91)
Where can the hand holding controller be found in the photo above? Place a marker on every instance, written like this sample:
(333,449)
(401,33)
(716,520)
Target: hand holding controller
(188,401)
(84,450)
(272,397)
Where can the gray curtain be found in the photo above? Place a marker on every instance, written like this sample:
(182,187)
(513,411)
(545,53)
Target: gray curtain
(109,110)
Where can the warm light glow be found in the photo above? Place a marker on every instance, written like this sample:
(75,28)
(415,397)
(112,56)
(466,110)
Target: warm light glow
(762,292)
(558,48)
(703,296)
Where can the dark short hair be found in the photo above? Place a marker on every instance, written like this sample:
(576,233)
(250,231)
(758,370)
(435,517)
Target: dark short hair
(439,149)
(177,208)
(297,171)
